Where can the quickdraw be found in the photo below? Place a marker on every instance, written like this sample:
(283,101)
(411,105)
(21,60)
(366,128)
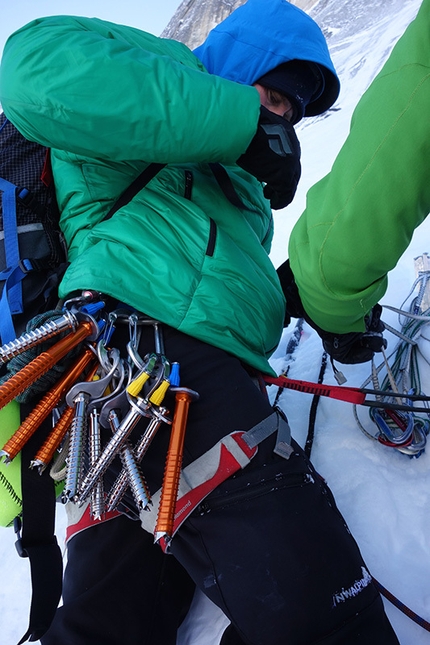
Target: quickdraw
(399,427)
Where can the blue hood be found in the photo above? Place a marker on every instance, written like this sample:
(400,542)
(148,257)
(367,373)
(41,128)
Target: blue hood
(262,34)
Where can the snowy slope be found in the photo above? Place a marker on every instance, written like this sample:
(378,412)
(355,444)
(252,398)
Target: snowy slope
(383,494)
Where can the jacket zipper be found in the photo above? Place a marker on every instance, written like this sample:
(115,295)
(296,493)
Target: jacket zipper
(273,484)
(210,249)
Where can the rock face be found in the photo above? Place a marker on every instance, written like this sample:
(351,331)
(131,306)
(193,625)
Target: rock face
(338,19)
(195,18)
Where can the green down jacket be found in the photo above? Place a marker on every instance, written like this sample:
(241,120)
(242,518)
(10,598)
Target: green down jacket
(108,100)
(360,218)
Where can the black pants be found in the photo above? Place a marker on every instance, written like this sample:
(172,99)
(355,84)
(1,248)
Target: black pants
(268,546)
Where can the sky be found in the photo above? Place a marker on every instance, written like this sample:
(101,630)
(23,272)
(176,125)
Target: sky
(148,15)
(383,494)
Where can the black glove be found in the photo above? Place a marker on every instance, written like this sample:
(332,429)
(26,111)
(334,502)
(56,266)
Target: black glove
(357,347)
(350,348)
(273,157)
(294,307)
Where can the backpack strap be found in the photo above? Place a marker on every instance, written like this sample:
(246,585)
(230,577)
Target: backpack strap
(38,541)
(219,172)
(11,300)
(135,187)
(225,183)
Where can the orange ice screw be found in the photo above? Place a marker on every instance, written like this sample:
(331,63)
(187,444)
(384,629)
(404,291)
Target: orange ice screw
(42,363)
(45,407)
(47,451)
(55,437)
(172,471)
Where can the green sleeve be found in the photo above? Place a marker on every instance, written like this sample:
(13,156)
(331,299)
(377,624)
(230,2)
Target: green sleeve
(101,90)
(360,218)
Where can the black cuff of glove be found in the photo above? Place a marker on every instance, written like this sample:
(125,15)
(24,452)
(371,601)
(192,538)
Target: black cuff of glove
(357,347)
(350,348)
(294,307)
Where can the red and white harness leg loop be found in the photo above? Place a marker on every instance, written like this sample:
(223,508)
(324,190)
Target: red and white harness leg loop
(201,477)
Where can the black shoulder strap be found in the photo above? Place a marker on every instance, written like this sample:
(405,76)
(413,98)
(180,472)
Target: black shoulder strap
(153,169)
(135,187)
(226,185)
(38,541)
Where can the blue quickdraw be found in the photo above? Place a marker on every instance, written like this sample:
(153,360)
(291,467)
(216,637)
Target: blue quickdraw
(396,426)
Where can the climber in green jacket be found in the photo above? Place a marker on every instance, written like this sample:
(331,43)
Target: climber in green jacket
(360,218)
(190,250)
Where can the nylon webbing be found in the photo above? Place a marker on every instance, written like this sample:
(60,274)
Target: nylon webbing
(11,302)
(274,423)
(38,541)
(226,185)
(135,187)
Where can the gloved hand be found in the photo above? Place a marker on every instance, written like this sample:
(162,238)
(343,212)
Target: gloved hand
(350,348)
(273,157)
(357,347)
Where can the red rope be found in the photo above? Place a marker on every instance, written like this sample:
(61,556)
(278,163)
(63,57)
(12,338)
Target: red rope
(400,605)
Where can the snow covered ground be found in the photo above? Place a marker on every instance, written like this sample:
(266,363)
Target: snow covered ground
(383,494)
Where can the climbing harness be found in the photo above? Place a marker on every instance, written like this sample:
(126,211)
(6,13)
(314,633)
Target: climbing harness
(101,390)
(95,391)
(225,458)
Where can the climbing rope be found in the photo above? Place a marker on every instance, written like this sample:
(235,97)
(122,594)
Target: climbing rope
(400,605)
(313,409)
(406,431)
